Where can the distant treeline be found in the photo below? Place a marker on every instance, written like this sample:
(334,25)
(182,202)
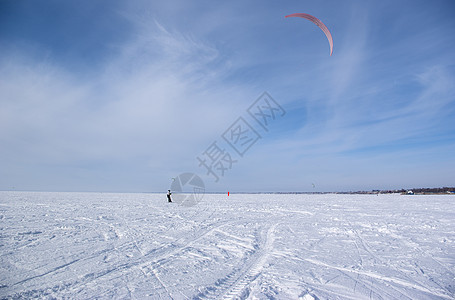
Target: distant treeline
(422,191)
(442,190)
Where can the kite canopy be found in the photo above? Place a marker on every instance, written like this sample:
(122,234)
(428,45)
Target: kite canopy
(320,25)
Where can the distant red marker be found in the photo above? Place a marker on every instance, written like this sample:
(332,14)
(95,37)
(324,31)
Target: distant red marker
(228,194)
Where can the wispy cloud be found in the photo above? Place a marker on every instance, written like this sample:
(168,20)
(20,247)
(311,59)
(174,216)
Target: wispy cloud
(159,98)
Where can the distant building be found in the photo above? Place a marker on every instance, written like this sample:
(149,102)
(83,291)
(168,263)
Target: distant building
(410,193)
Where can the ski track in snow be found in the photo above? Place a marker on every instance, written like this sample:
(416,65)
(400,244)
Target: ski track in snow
(258,246)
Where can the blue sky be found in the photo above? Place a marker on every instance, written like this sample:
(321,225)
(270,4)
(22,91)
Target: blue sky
(115,96)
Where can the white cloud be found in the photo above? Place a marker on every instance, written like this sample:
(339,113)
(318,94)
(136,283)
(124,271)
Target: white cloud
(159,103)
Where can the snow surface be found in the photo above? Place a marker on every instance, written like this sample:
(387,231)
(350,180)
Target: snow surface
(261,246)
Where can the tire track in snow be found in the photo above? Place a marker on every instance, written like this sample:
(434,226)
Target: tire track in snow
(48,272)
(161,255)
(380,277)
(161,283)
(372,290)
(161,258)
(413,281)
(233,285)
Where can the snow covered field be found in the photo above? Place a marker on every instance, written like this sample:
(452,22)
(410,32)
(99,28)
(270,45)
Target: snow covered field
(266,246)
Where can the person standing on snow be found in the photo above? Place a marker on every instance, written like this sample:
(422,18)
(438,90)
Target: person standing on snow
(169,196)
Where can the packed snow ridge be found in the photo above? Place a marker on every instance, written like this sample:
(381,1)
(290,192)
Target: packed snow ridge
(245,246)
